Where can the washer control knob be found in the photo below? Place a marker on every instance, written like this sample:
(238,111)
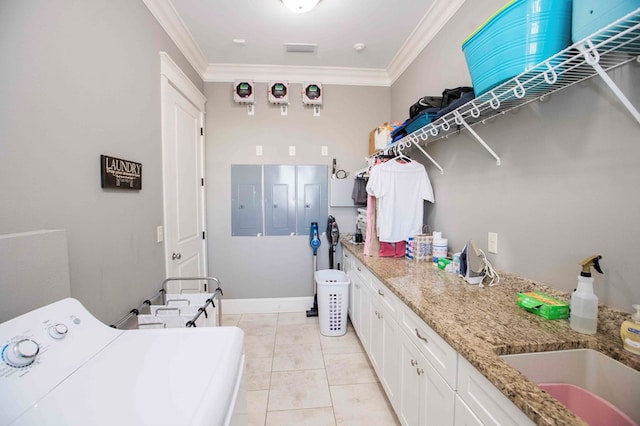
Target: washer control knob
(21,353)
(58,331)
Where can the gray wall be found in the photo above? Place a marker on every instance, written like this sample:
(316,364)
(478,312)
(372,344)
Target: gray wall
(260,267)
(79,79)
(567,187)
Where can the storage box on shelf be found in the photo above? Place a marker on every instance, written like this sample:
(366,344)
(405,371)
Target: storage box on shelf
(588,16)
(612,46)
(515,39)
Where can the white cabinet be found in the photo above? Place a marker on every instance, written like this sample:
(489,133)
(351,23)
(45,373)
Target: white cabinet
(425,397)
(438,352)
(485,400)
(385,341)
(425,379)
(347,267)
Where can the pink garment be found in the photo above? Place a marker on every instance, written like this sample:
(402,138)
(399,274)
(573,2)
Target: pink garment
(396,249)
(371,243)
(387,249)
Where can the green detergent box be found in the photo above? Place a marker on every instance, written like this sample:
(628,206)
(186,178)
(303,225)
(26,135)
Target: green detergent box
(543,305)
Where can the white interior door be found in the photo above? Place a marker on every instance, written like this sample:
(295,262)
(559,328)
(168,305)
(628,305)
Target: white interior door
(183,181)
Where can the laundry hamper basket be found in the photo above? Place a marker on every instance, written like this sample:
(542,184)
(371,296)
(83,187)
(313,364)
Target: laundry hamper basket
(333,301)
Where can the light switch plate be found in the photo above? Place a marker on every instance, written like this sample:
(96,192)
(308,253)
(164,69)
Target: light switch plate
(292,151)
(159,234)
(493,242)
(324,150)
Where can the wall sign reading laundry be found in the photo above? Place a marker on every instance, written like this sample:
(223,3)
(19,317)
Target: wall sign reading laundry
(118,173)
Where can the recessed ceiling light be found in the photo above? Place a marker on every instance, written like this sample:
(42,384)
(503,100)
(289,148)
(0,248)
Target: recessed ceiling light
(300,6)
(359,47)
(239,41)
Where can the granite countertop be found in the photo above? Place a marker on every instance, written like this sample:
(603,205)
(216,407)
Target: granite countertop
(483,323)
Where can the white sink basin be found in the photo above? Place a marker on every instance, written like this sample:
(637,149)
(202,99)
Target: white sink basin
(587,369)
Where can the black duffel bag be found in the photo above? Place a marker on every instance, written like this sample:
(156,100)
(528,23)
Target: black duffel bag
(424,103)
(451,95)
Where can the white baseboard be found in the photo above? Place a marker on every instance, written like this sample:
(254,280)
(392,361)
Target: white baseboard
(266,306)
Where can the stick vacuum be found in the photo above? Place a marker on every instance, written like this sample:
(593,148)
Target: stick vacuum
(314,242)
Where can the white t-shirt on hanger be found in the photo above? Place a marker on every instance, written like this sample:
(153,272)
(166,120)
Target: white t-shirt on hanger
(401,189)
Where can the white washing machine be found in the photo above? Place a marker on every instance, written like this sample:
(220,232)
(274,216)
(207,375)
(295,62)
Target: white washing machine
(59,365)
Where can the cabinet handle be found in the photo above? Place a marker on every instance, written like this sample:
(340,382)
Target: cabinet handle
(421,337)
(380,293)
(414,362)
(358,268)
(420,371)
(346,255)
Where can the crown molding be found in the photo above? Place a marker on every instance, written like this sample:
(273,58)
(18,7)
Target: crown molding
(297,74)
(429,26)
(434,20)
(168,18)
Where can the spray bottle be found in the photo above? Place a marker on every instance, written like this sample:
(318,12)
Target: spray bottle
(584,303)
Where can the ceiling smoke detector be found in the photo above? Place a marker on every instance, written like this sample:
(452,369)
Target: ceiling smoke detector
(300,6)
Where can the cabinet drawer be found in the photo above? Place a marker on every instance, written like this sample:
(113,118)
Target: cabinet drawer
(347,260)
(361,271)
(385,297)
(441,355)
(485,400)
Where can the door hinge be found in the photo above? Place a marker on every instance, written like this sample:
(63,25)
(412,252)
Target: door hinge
(203,235)
(201,131)
(202,181)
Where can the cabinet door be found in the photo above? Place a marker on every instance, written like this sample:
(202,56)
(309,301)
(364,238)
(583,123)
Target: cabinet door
(391,354)
(438,399)
(377,335)
(463,414)
(347,268)
(365,317)
(485,400)
(409,400)
(425,397)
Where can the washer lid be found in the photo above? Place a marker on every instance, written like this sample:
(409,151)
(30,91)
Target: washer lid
(170,376)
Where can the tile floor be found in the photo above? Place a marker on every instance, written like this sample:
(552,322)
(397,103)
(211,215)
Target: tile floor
(296,376)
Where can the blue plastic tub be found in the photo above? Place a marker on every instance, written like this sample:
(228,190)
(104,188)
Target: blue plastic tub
(590,16)
(515,39)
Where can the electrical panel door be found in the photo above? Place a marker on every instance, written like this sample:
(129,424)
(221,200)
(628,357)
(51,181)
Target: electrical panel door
(313,198)
(279,199)
(246,200)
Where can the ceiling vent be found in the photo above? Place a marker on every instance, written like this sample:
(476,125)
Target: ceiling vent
(300,47)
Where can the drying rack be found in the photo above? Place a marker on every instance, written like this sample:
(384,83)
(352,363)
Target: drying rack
(216,294)
(611,47)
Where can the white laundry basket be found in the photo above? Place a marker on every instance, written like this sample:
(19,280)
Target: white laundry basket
(333,301)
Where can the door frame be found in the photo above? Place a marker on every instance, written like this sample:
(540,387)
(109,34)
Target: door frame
(172,75)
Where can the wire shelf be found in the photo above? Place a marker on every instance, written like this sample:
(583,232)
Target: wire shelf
(609,48)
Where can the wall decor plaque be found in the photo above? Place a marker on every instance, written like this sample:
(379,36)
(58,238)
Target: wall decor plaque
(119,173)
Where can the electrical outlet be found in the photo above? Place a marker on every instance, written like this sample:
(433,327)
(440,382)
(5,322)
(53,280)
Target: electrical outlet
(324,150)
(292,151)
(493,242)
(258,150)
